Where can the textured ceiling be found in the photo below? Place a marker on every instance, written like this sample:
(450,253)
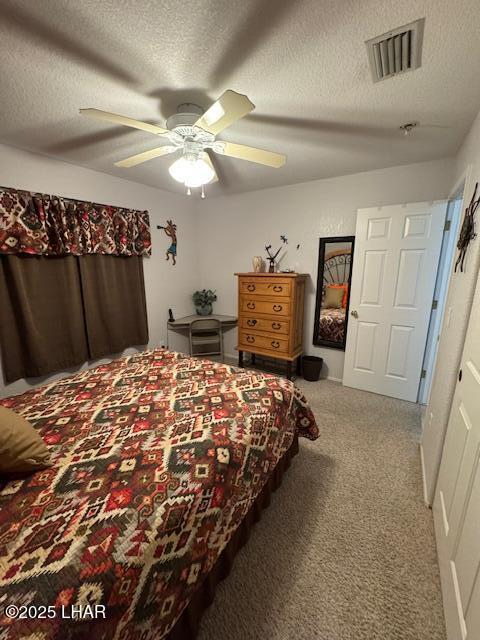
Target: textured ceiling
(302,63)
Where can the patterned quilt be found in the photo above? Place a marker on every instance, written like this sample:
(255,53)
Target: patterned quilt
(157,458)
(331,325)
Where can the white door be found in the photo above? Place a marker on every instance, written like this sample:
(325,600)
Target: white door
(456,507)
(396,257)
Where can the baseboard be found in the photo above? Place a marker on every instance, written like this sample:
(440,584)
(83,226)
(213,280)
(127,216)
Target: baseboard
(333,379)
(424,478)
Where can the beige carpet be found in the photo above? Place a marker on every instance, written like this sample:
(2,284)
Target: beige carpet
(346,549)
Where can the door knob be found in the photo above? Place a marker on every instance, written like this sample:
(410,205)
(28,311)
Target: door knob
(354,313)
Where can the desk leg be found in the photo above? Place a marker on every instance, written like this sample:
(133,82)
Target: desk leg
(240,359)
(252,359)
(289,369)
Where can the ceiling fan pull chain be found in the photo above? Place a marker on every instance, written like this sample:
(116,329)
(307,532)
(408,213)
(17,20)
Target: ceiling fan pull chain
(203,193)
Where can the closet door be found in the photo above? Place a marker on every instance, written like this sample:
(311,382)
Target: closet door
(396,259)
(457,498)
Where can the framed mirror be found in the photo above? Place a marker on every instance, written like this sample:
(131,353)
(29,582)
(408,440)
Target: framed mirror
(335,260)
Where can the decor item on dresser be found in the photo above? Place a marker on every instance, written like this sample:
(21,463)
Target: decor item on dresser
(270,309)
(271,257)
(258,264)
(171,232)
(203,301)
(333,291)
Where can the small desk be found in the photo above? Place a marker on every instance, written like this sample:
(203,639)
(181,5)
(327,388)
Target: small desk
(182,325)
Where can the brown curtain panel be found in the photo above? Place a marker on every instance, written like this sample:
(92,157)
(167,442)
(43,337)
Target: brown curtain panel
(42,326)
(113,292)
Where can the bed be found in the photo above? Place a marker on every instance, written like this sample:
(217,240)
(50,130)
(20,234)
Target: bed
(160,464)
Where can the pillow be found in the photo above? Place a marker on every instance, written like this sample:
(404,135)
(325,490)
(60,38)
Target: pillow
(21,447)
(345,294)
(333,297)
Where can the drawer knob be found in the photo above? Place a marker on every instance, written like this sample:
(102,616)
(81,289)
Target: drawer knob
(275,344)
(277,288)
(251,287)
(250,305)
(277,307)
(276,325)
(250,339)
(251,322)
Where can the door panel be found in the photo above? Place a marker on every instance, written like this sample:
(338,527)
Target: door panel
(408,277)
(378,228)
(467,557)
(373,277)
(417,226)
(393,280)
(456,505)
(365,346)
(398,351)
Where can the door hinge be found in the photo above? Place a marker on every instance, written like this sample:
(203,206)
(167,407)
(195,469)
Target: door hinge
(423,374)
(448,224)
(434,304)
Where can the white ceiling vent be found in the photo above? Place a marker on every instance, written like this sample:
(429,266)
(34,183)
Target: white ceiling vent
(397,51)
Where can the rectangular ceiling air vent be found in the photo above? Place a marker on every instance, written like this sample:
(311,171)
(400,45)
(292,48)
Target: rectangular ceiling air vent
(397,51)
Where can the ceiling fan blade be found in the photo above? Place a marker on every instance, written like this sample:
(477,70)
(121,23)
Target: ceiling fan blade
(251,154)
(127,122)
(132,161)
(208,160)
(230,107)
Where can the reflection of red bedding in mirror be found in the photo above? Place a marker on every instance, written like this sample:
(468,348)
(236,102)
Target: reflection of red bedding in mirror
(332,325)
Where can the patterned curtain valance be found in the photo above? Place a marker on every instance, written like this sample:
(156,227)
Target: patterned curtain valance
(42,224)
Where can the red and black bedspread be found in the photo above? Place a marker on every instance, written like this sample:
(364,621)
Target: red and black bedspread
(157,457)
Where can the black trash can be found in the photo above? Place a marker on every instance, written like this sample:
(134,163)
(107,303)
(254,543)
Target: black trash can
(311,367)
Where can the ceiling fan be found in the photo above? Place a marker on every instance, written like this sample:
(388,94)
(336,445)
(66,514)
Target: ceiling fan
(193,132)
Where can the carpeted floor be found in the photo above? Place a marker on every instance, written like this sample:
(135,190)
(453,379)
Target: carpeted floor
(346,549)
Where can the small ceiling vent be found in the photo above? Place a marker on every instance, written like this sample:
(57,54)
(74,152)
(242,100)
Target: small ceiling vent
(397,51)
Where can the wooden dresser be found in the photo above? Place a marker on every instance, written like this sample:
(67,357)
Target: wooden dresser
(270,316)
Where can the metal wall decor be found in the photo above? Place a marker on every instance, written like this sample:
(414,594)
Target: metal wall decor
(467,232)
(171,231)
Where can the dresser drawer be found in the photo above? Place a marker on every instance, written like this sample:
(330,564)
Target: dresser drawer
(266,287)
(262,324)
(251,306)
(252,340)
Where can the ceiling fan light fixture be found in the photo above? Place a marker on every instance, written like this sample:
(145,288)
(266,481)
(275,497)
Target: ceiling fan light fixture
(191,171)
(193,132)
(214,114)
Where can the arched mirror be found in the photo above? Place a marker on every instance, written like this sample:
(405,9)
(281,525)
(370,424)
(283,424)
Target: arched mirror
(335,260)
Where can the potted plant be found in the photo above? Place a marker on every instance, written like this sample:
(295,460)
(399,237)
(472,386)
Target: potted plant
(203,301)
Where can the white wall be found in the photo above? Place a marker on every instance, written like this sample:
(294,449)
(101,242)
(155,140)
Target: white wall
(469,152)
(166,286)
(235,228)
(219,236)
(454,326)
